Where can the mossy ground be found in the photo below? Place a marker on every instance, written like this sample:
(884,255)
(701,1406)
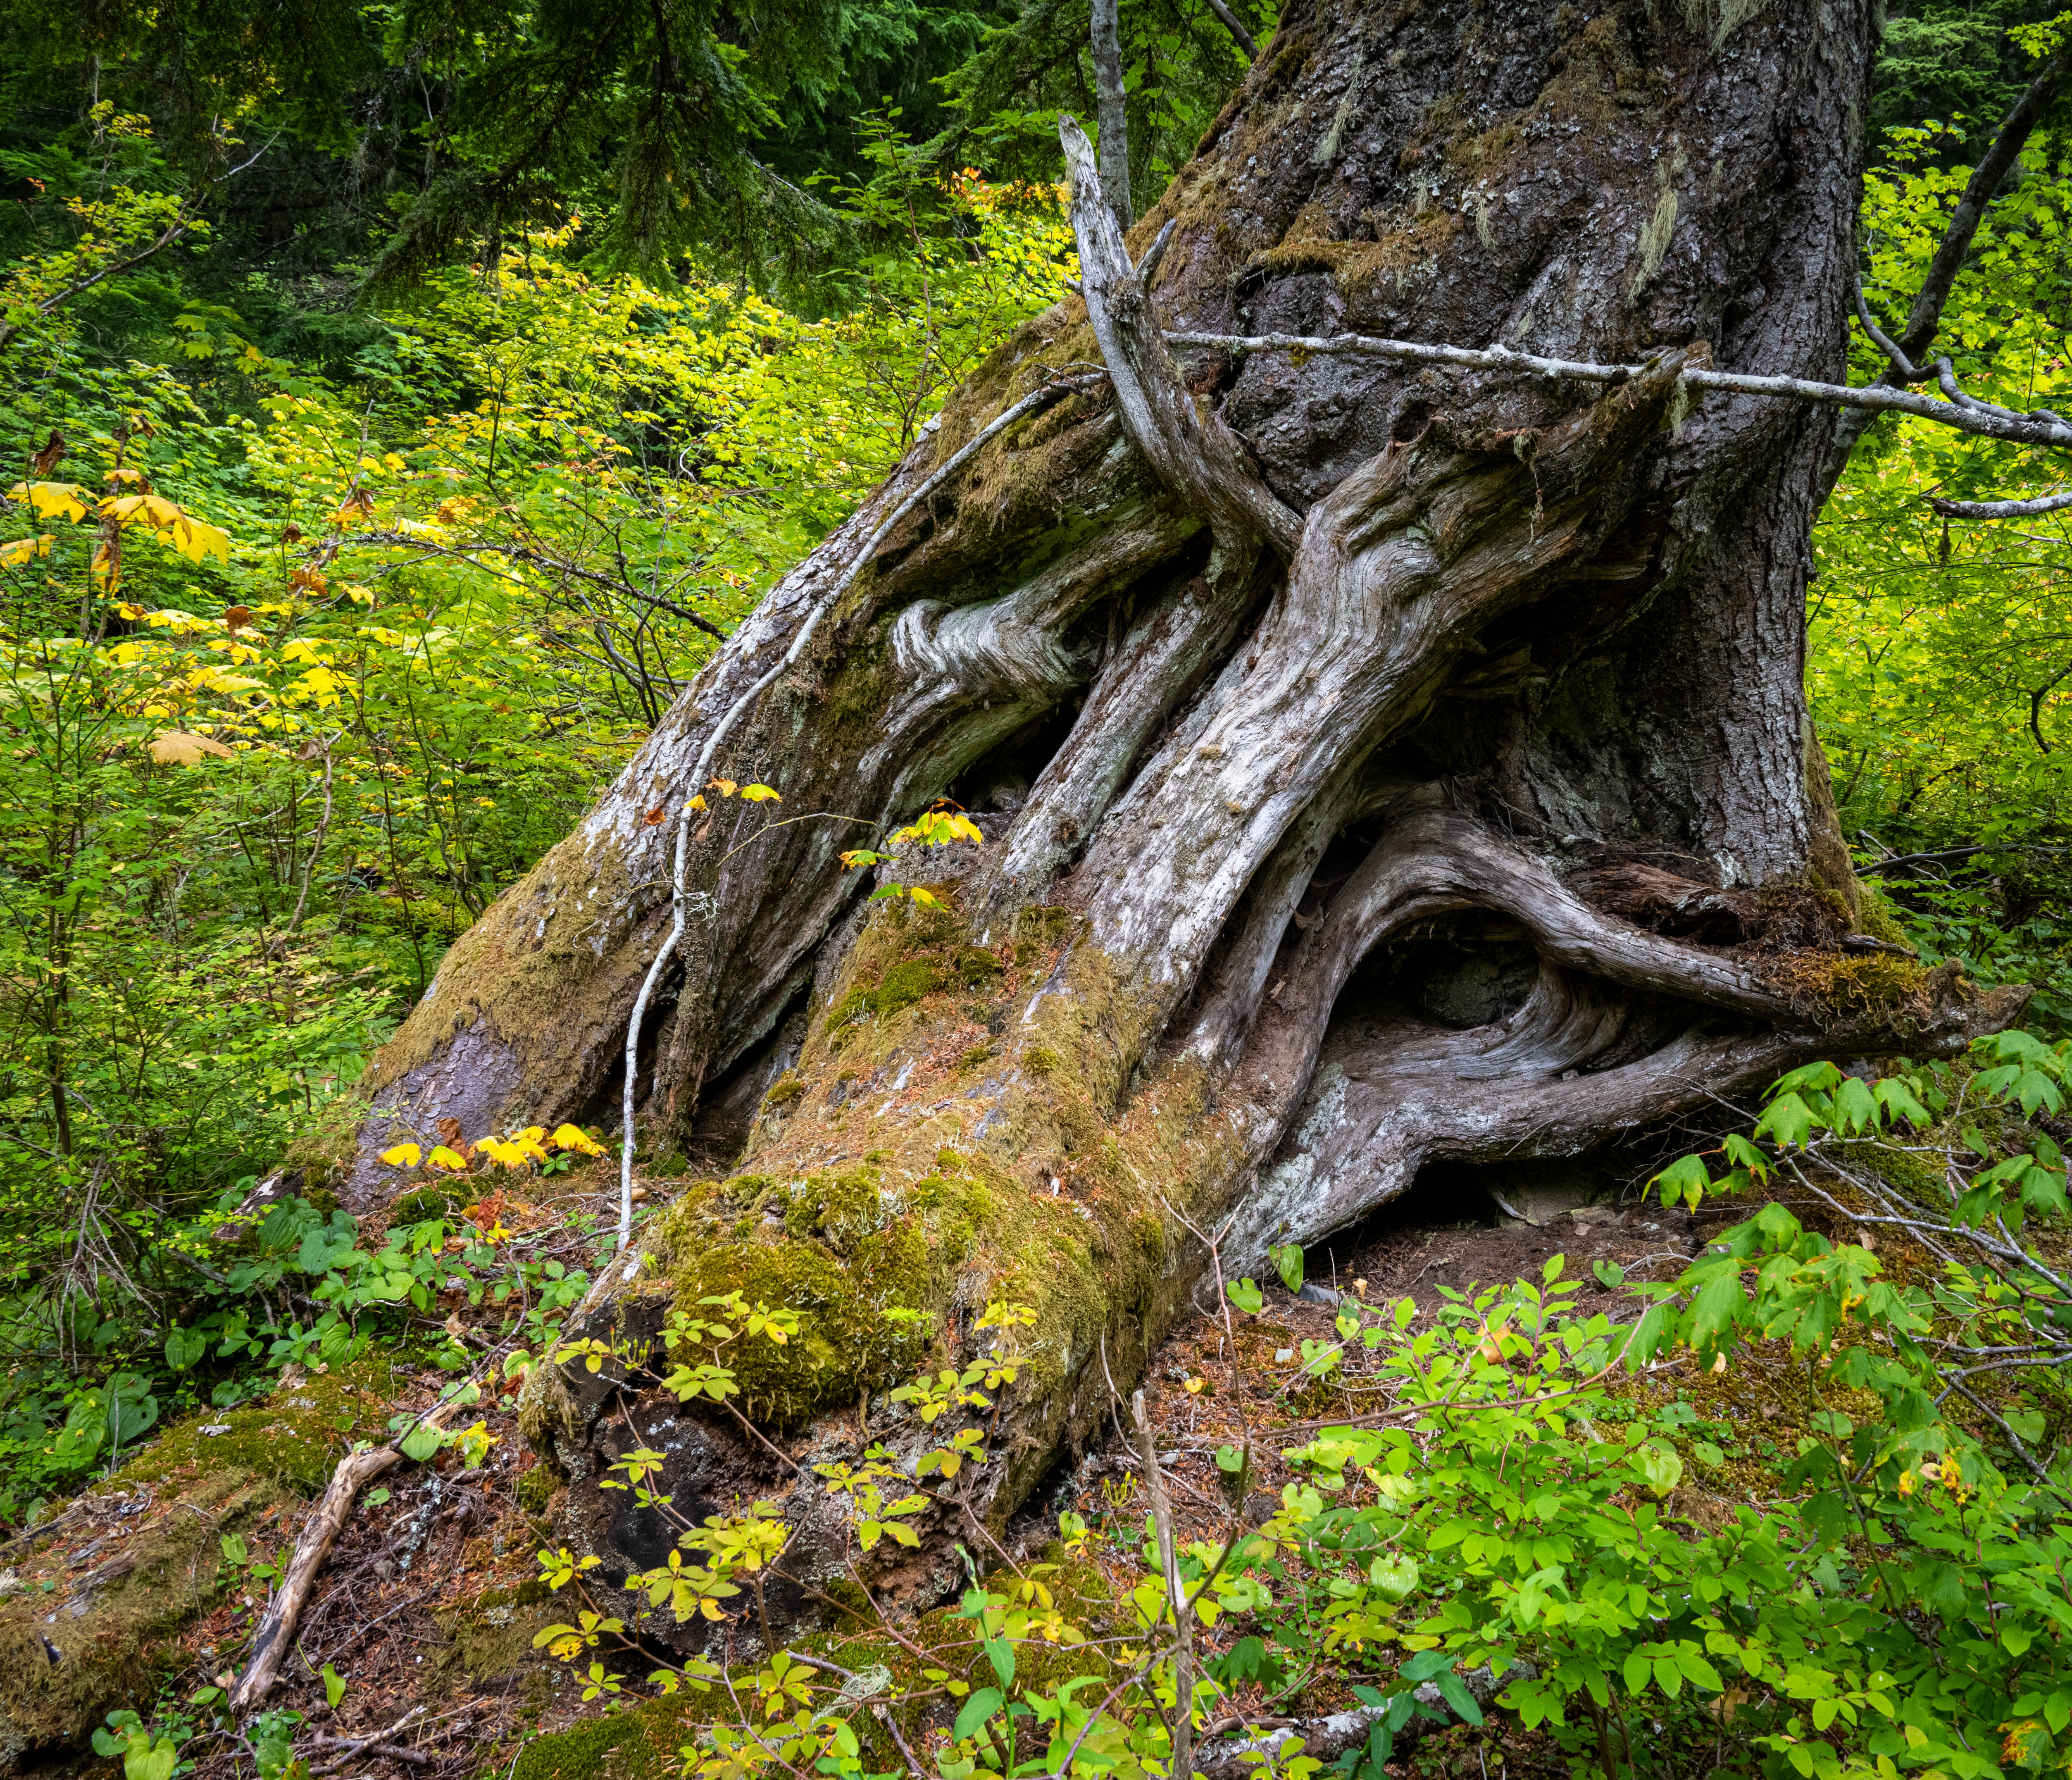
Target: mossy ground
(88,1642)
(294,1437)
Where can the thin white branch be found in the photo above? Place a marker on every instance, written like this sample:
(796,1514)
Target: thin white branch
(2040,428)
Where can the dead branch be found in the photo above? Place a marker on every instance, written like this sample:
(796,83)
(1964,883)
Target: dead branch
(1966,415)
(276,1635)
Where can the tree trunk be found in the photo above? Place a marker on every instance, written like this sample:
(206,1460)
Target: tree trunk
(1378,766)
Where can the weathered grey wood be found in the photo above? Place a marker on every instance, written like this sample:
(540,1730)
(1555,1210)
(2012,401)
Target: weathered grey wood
(1113,111)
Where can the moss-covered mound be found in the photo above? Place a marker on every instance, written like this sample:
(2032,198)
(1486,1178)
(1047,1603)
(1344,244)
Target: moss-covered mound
(638,1745)
(841,1249)
(294,1437)
(68,1656)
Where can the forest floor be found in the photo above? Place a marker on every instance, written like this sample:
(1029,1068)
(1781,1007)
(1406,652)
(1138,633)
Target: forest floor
(430,1601)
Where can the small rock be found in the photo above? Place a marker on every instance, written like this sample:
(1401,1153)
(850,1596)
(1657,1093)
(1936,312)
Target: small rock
(215,1427)
(1282,1355)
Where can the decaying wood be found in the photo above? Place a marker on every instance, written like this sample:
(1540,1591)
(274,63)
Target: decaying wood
(274,1636)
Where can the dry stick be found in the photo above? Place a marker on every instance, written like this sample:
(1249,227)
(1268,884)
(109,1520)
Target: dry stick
(1234,27)
(1987,423)
(1926,314)
(1029,403)
(1183,1721)
(2000,509)
(276,1635)
(316,850)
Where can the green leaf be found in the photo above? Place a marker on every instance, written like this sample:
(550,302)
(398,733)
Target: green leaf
(1247,1296)
(1287,1259)
(422,1442)
(1000,1655)
(1458,1697)
(976,1710)
(1856,1107)
(1684,1181)
(184,1347)
(1609,1274)
(334,1686)
(1661,1467)
(1787,1121)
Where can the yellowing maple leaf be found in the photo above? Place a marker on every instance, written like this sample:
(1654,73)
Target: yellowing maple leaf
(52,499)
(24,550)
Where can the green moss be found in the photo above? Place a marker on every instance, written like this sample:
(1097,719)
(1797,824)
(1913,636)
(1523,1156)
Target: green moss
(905,984)
(976,966)
(844,1345)
(900,988)
(143,1589)
(841,1209)
(490,1637)
(1879,920)
(295,1437)
(323,1150)
(535,1488)
(641,1744)
(787,1088)
(422,1203)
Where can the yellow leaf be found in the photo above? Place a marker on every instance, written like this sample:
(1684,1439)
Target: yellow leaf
(22,550)
(194,540)
(216,679)
(760,794)
(568,1136)
(444,1157)
(724,787)
(403,1156)
(924,897)
(63,500)
(180,748)
(697,803)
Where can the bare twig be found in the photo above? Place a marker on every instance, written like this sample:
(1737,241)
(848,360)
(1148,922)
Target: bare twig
(1182,1724)
(2041,427)
(2001,509)
(316,849)
(79,287)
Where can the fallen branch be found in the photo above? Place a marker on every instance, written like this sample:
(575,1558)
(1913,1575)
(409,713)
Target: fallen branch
(348,1747)
(276,1635)
(1987,422)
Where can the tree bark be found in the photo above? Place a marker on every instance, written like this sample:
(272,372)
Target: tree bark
(1380,764)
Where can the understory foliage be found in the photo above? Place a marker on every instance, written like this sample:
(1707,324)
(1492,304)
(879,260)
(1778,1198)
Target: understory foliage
(1940,660)
(1500,1501)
